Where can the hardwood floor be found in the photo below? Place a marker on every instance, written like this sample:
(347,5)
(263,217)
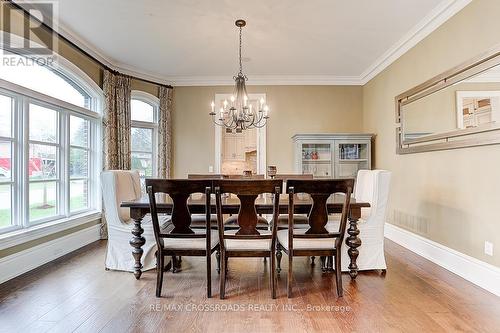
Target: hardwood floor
(75,293)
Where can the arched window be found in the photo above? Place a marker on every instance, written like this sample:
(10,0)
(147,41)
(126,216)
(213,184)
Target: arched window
(144,114)
(52,113)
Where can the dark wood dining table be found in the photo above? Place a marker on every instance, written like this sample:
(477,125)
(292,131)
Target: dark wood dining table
(230,205)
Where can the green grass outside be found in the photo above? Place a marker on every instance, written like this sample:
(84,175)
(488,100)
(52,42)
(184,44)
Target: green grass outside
(36,212)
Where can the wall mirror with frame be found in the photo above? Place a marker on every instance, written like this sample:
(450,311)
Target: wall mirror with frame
(458,108)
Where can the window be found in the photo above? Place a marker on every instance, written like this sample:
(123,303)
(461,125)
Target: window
(144,110)
(35,77)
(7,180)
(49,144)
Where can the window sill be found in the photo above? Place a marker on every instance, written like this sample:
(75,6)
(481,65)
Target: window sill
(21,236)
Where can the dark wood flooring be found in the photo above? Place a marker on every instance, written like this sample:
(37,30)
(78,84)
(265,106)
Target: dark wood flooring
(75,293)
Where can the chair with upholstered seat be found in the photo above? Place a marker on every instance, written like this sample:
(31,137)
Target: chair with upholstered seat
(247,241)
(231,222)
(317,240)
(372,186)
(118,186)
(198,220)
(299,220)
(179,239)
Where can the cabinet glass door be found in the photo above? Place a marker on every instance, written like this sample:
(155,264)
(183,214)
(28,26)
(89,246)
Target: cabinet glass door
(351,158)
(317,159)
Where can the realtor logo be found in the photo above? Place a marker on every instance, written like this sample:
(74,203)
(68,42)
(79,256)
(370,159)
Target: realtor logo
(29,35)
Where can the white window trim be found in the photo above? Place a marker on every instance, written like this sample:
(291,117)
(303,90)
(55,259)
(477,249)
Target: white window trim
(155,102)
(22,230)
(20,236)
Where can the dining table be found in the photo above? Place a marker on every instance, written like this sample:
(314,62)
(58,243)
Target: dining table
(230,205)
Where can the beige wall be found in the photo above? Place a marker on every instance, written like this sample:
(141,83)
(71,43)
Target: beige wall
(450,196)
(294,109)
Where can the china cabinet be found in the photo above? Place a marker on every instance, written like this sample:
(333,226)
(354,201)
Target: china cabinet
(332,155)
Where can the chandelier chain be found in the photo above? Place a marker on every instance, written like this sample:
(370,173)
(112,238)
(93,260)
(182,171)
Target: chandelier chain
(241,65)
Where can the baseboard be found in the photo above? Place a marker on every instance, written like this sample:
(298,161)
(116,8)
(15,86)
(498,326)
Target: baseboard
(478,272)
(24,261)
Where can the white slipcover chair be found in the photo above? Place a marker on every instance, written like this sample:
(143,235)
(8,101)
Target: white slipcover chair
(118,186)
(372,186)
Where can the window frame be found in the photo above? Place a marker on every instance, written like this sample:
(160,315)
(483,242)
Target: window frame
(22,97)
(15,167)
(155,103)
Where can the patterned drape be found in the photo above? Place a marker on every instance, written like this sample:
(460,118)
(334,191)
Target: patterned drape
(116,121)
(165,132)
(116,127)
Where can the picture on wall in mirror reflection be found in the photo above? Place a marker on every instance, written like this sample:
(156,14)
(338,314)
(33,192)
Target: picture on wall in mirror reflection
(477,108)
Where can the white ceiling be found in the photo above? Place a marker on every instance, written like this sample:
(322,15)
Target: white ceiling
(295,41)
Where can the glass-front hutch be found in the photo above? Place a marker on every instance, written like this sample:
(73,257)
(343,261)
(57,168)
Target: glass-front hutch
(332,155)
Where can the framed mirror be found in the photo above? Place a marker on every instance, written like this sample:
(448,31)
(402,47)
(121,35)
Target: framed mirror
(458,108)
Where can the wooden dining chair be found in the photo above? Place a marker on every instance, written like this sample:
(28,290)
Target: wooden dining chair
(316,241)
(300,220)
(230,222)
(247,241)
(198,221)
(244,177)
(179,239)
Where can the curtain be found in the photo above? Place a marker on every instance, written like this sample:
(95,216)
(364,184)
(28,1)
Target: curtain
(116,126)
(116,121)
(165,132)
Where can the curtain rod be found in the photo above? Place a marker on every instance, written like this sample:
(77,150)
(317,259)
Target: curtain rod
(80,49)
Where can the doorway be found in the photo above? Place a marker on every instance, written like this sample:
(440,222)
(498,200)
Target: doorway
(236,152)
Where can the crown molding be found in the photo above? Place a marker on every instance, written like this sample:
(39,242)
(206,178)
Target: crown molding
(422,29)
(261,80)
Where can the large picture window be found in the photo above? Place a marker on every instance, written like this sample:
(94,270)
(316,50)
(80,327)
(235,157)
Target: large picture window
(49,144)
(144,111)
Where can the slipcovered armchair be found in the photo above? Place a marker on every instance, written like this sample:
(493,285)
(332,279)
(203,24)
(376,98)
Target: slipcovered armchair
(118,186)
(371,186)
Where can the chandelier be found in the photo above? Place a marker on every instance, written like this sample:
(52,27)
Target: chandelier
(238,113)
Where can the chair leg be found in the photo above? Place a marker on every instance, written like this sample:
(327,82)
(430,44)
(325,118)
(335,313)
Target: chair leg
(222,286)
(279,254)
(338,275)
(312,260)
(159,273)
(175,265)
(290,274)
(323,263)
(273,275)
(217,256)
(330,263)
(209,273)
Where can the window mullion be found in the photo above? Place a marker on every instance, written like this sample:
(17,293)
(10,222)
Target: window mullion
(63,131)
(23,160)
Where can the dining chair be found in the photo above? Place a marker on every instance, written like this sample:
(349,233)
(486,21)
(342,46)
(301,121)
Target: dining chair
(179,239)
(300,220)
(230,222)
(198,221)
(260,176)
(247,241)
(317,240)
(372,186)
(118,186)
